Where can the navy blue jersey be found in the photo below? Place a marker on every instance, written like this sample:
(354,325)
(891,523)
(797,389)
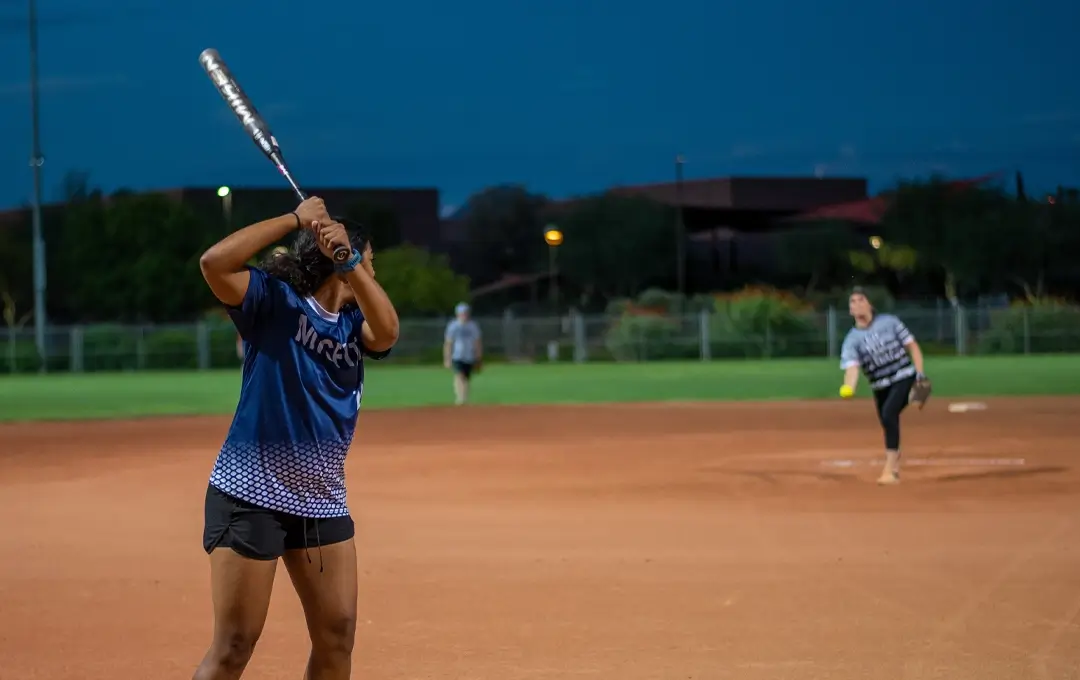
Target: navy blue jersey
(303,380)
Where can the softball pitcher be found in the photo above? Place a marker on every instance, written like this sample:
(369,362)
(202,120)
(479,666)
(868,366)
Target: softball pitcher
(882,347)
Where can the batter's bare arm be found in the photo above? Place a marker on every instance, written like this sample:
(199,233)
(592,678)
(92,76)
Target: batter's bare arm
(381,324)
(223,266)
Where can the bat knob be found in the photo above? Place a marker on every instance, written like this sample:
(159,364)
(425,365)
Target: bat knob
(342,254)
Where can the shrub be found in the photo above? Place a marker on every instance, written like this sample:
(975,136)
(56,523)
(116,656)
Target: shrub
(1051,325)
(753,322)
(637,336)
(765,322)
(109,347)
(172,348)
(222,341)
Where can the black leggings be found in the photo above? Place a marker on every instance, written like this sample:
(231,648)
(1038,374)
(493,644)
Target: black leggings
(891,401)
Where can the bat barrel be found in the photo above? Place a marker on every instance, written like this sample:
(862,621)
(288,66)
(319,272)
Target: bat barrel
(256,127)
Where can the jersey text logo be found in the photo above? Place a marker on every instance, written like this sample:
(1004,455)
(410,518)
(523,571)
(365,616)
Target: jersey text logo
(325,347)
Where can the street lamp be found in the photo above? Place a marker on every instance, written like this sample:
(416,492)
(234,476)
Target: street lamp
(36,161)
(553,237)
(680,227)
(225,194)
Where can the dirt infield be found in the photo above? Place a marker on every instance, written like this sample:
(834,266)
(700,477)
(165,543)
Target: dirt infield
(668,542)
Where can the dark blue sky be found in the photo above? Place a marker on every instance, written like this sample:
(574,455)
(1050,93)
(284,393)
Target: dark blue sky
(566,96)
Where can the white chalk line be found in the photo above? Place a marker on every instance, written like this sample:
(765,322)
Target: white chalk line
(933,462)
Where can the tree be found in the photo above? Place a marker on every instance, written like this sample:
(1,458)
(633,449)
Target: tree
(891,262)
(1053,229)
(816,252)
(970,234)
(16,262)
(617,246)
(504,227)
(418,282)
(132,258)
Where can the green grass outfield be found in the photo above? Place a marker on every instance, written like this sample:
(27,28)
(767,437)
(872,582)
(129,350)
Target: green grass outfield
(68,396)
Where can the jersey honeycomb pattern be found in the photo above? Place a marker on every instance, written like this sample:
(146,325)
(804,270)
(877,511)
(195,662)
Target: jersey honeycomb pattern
(303,381)
(306,479)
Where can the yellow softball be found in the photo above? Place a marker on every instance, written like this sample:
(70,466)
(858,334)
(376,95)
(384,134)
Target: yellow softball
(846,392)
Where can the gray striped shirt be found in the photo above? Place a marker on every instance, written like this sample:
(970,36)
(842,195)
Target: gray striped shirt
(879,351)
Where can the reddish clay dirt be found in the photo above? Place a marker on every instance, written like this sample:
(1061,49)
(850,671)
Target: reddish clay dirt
(624,542)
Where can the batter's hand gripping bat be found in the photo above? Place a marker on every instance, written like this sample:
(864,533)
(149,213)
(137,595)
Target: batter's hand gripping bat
(254,124)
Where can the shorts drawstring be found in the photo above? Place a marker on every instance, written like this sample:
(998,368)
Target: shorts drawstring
(318,543)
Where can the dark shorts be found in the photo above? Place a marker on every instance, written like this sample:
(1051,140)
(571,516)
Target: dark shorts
(261,534)
(464,368)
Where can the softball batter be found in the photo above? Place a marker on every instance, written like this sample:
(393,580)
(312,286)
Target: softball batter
(882,347)
(277,490)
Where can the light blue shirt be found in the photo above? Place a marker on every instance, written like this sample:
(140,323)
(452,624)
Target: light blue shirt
(463,338)
(879,350)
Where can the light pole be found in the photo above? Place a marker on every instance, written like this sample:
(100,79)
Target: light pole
(553,238)
(36,161)
(225,194)
(680,227)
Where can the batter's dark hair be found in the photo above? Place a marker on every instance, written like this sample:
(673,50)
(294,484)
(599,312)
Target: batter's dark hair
(303,266)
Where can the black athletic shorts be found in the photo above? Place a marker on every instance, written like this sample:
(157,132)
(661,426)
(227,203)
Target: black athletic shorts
(261,534)
(464,368)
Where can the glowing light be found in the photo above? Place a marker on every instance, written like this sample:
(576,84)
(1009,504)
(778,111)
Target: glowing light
(223,191)
(553,237)
(875,242)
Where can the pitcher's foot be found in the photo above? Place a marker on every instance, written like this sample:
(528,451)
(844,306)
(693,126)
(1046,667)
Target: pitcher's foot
(889,477)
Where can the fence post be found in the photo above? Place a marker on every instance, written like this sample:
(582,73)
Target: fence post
(202,345)
(703,331)
(1027,332)
(76,349)
(140,348)
(940,321)
(11,349)
(961,330)
(510,344)
(830,331)
(581,345)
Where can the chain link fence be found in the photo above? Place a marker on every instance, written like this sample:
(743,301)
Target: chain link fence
(704,336)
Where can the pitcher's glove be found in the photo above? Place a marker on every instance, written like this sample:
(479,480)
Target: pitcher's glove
(920,391)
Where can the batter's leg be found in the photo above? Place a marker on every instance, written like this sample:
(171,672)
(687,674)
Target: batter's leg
(241,590)
(244,542)
(327,586)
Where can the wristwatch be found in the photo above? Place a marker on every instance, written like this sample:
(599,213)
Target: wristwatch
(350,264)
